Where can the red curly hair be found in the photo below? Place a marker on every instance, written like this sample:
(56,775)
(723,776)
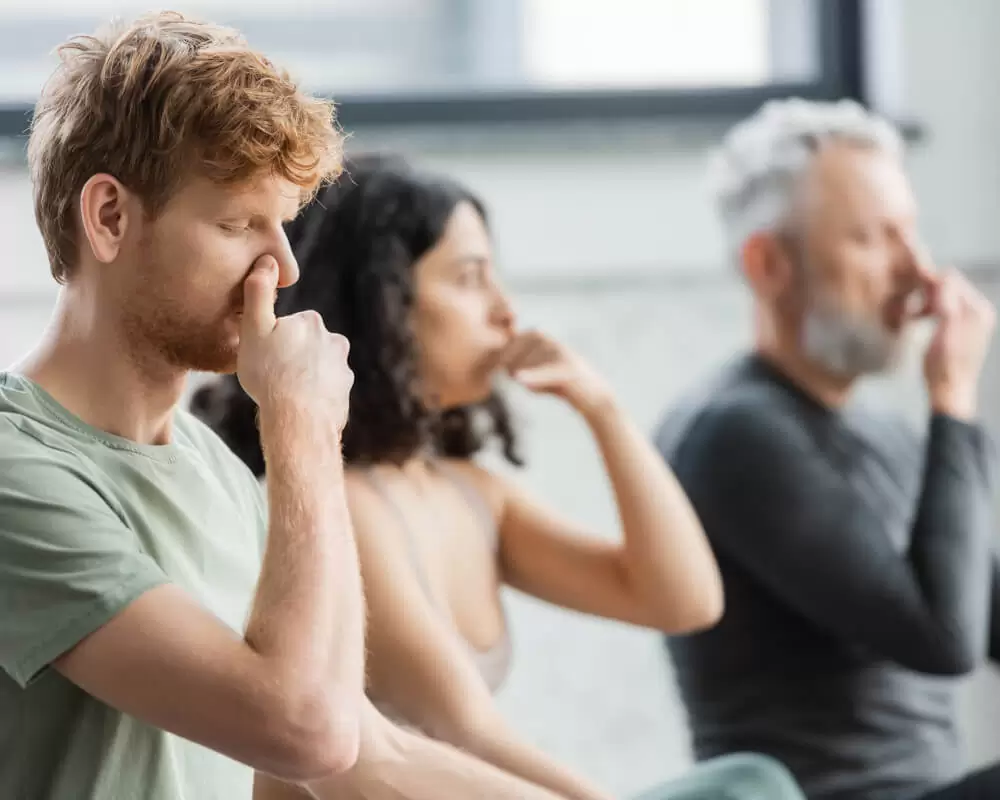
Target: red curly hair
(159,100)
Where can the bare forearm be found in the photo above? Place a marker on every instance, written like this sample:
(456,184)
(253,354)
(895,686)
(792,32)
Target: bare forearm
(308,613)
(503,749)
(667,555)
(398,765)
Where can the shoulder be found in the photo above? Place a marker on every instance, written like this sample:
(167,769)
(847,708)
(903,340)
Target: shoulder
(40,461)
(50,494)
(739,420)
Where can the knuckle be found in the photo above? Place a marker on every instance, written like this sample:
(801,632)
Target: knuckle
(313,318)
(341,341)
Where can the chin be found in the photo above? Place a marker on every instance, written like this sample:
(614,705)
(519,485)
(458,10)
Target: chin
(202,356)
(467,396)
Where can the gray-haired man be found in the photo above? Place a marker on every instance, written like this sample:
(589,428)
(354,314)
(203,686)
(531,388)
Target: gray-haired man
(857,558)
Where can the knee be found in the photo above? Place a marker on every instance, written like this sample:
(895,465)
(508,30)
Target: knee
(740,776)
(757,773)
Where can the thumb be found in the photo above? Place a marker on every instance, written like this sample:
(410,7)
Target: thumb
(259,290)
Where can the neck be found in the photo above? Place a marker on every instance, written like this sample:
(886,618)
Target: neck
(780,345)
(87,363)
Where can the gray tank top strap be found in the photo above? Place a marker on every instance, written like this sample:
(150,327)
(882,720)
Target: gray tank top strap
(378,484)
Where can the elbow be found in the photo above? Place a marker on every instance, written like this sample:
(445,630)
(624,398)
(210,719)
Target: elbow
(710,612)
(314,736)
(701,609)
(710,607)
(700,616)
(947,652)
(951,660)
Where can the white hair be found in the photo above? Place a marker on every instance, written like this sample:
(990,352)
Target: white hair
(755,172)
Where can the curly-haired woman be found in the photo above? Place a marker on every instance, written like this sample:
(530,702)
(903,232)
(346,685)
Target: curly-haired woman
(401,263)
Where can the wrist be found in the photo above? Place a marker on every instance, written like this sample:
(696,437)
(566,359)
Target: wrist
(596,405)
(293,426)
(957,402)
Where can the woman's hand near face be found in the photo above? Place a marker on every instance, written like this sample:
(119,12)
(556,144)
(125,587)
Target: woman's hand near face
(663,573)
(545,366)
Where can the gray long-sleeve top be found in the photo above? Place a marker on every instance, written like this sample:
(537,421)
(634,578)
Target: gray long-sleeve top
(859,576)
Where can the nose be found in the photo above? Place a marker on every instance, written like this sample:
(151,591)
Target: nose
(288,267)
(915,262)
(502,312)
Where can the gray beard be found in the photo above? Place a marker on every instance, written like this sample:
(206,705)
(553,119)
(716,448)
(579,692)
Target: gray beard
(847,345)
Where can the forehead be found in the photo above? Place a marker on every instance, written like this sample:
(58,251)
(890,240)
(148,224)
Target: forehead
(464,239)
(268,196)
(845,178)
(465,227)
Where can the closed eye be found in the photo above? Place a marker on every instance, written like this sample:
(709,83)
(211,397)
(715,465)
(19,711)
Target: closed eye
(472,272)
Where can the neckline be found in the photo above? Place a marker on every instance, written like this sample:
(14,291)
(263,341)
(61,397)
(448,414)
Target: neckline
(166,453)
(771,372)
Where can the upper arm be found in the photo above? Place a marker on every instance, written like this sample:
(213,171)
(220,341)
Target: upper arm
(416,663)
(550,557)
(807,535)
(78,593)
(68,564)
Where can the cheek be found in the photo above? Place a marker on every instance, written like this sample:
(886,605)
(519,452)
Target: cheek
(444,335)
(204,274)
(218,262)
(439,316)
(852,274)
(871,280)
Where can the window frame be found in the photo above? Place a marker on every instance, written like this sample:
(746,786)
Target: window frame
(841,74)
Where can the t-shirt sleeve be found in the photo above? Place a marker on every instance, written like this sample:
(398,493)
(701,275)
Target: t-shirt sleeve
(68,563)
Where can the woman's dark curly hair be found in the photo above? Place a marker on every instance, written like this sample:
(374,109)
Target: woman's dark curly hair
(356,245)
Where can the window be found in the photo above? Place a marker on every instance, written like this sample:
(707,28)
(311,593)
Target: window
(394,61)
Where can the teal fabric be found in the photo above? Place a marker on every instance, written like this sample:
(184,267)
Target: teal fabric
(742,776)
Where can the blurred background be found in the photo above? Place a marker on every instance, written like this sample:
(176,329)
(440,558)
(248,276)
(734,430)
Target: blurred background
(585,126)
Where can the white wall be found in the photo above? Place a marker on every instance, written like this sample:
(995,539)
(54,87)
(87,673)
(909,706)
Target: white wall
(613,204)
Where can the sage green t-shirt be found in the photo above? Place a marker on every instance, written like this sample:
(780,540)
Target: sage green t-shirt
(88,522)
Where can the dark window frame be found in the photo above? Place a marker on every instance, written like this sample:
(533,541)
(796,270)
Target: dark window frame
(841,63)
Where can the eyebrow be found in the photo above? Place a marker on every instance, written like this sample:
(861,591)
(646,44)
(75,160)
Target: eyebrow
(250,213)
(470,258)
